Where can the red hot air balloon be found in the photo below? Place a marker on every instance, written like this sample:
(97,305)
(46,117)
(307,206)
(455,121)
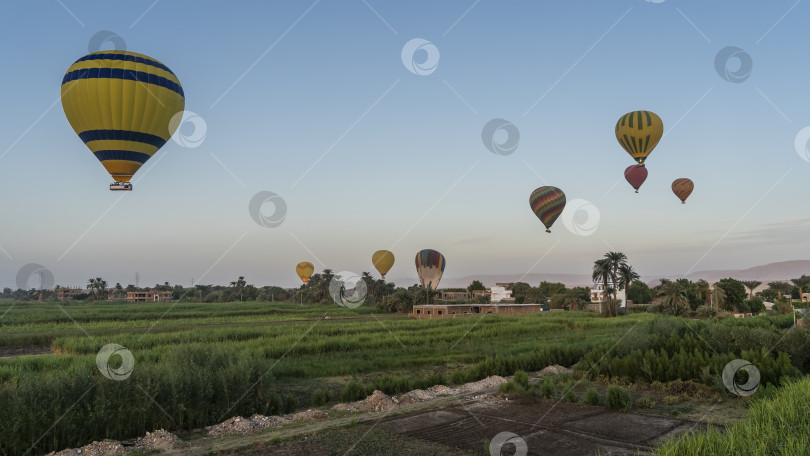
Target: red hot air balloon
(636,175)
(682,188)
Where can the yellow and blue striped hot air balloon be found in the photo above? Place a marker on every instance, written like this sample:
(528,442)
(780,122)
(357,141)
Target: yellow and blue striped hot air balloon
(122,105)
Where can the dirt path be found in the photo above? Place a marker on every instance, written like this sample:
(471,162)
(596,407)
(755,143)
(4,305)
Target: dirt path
(10,352)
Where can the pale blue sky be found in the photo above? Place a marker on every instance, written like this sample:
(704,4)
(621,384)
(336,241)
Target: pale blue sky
(311,100)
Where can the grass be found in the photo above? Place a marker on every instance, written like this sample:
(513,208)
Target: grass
(775,425)
(202,363)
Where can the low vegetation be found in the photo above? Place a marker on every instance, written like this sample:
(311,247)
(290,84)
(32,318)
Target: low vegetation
(208,362)
(774,425)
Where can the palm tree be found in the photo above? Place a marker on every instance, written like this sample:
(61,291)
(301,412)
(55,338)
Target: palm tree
(238,285)
(779,287)
(673,296)
(802,283)
(626,277)
(751,284)
(718,297)
(98,286)
(601,273)
(326,278)
(706,288)
(615,260)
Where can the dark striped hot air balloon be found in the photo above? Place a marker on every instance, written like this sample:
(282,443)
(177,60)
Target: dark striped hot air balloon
(636,175)
(639,132)
(682,188)
(121,104)
(547,204)
(429,266)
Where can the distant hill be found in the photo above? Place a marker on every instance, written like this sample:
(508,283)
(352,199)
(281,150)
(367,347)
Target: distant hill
(784,270)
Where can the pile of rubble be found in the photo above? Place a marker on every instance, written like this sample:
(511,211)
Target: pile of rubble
(256,423)
(554,370)
(381,402)
(158,440)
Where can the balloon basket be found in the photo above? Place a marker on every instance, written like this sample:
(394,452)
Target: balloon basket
(117,186)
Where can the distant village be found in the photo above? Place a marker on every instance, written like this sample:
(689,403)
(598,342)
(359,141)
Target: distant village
(503,298)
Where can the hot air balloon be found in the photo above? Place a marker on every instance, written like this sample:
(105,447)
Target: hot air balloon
(121,104)
(383,261)
(547,204)
(639,132)
(304,270)
(682,188)
(429,267)
(636,175)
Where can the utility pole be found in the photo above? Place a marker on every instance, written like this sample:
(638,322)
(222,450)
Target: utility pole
(137,280)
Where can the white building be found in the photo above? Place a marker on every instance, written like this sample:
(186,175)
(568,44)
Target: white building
(598,290)
(497,294)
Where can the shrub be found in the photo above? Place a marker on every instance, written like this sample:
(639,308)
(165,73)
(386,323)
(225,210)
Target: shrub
(705,312)
(671,400)
(521,378)
(353,391)
(511,387)
(290,403)
(320,397)
(275,405)
(547,389)
(617,398)
(459,377)
(570,396)
(591,397)
(645,403)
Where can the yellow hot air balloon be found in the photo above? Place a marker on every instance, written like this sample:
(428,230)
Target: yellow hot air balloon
(304,270)
(639,132)
(383,261)
(121,104)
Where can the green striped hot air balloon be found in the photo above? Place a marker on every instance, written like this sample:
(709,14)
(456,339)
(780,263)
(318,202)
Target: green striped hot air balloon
(547,204)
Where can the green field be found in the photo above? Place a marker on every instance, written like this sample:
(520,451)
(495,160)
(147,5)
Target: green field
(196,364)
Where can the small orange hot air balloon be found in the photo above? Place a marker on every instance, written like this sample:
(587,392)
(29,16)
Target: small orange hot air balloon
(682,188)
(304,270)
